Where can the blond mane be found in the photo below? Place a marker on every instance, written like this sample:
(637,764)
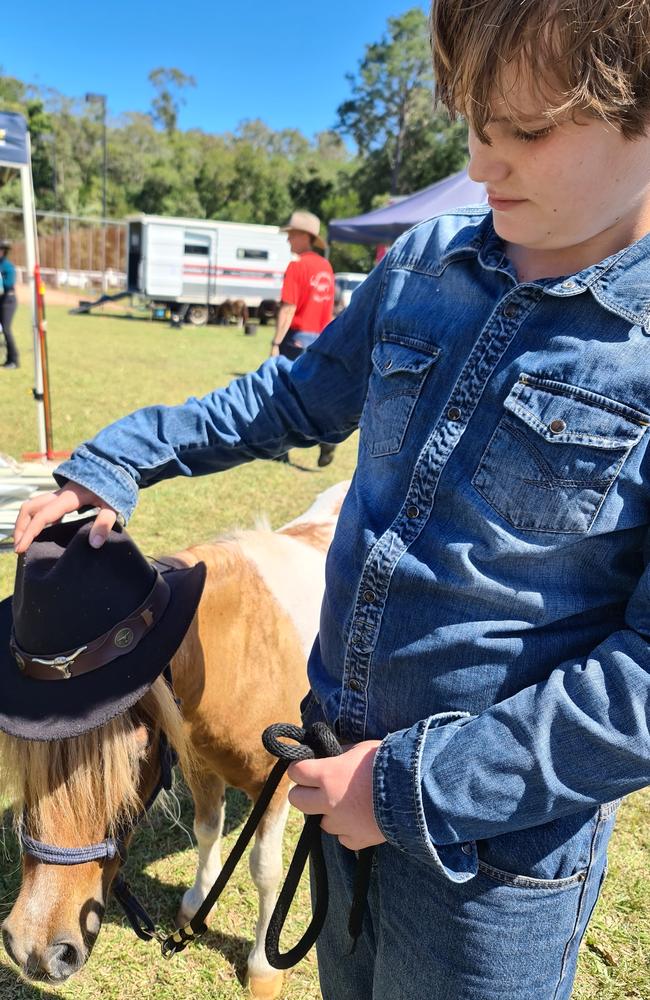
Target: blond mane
(93,779)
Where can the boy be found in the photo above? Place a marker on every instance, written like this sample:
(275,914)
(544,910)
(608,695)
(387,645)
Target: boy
(484,636)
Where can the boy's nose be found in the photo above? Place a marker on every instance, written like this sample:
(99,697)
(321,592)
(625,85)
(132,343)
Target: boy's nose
(486,166)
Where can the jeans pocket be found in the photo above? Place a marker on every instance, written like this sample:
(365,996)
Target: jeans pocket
(527,882)
(554,855)
(555,454)
(399,370)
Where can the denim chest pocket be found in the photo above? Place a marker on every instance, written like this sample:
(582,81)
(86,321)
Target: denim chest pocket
(399,370)
(555,454)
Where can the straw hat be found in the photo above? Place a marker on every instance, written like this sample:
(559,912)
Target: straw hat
(306,222)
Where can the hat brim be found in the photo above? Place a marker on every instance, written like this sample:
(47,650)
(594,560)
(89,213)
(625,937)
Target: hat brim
(318,240)
(52,710)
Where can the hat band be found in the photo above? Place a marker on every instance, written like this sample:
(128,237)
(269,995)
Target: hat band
(120,639)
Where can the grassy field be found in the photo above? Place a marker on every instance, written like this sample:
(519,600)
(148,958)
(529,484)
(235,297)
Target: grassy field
(102,367)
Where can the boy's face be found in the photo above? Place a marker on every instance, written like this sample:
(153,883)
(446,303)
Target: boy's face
(563,197)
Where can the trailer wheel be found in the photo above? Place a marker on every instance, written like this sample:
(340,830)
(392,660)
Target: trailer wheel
(197,315)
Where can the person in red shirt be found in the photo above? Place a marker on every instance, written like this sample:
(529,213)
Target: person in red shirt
(307,302)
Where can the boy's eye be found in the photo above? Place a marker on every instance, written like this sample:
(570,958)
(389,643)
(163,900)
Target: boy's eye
(532,136)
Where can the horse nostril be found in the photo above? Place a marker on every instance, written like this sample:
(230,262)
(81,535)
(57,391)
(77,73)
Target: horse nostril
(62,960)
(6,940)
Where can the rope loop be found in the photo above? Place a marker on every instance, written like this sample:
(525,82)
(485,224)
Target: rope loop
(317,741)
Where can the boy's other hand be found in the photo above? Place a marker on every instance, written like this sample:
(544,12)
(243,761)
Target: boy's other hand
(48,508)
(340,788)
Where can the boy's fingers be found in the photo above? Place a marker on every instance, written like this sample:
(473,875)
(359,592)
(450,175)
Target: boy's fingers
(48,508)
(36,514)
(310,801)
(102,526)
(305,772)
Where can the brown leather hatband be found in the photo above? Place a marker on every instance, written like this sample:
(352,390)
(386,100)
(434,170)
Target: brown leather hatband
(120,639)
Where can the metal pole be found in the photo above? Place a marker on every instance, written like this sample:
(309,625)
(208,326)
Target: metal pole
(66,247)
(105,158)
(31,259)
(104,285)
(101,99)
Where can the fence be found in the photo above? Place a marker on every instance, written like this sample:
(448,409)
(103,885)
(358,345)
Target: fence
(74,251)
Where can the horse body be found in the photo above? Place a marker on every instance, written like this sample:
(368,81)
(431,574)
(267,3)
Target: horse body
(240,668)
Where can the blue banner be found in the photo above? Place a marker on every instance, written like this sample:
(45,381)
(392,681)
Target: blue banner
(13,139)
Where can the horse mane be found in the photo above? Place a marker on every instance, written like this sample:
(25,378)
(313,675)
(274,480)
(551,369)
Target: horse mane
(65,785)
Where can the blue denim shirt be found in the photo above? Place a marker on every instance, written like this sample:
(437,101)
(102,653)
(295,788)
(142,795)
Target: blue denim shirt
(487,611)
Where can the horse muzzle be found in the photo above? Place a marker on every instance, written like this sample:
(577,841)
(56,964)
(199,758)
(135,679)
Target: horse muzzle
(53,962)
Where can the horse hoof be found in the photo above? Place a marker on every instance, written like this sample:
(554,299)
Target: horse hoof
(265,988)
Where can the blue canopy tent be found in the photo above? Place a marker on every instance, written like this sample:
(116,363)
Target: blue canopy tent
(385,224)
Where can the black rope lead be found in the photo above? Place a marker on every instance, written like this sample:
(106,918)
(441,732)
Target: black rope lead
(317,741)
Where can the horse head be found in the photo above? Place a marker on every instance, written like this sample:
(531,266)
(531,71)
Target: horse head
(69,795)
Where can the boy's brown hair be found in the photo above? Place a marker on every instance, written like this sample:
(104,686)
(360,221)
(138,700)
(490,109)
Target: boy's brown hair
(590,56)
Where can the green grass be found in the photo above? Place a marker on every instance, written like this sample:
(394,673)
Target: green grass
(102,367)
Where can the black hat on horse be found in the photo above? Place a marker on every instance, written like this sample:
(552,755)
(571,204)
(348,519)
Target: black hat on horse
(87,631)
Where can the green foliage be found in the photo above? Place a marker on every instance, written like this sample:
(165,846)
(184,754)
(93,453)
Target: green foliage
(392,92)
(169,85)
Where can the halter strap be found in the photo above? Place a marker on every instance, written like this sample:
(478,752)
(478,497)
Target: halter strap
(49,854)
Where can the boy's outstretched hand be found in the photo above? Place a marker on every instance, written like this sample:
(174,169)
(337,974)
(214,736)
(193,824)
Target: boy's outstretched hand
(341,789)
(48,508)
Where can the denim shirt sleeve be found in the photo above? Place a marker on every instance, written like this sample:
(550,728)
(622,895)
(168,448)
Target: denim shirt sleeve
(571,742)
(262,415)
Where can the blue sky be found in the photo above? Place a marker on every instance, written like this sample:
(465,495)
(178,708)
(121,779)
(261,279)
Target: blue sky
(283,62)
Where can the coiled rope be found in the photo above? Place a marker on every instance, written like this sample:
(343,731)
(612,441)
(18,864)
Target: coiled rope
(317,741)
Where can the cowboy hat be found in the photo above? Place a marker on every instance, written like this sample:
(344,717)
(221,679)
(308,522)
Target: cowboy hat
(87,631)
(306,222)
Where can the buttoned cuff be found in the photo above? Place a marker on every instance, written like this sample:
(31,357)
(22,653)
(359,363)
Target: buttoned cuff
(110,482)
(397,795)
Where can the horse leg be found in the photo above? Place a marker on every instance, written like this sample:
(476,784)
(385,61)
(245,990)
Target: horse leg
(265,982)
(209,812)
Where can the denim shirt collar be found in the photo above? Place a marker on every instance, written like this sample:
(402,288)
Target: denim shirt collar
(620,283)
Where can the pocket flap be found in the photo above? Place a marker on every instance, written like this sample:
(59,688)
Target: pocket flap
(567,414)
(390,358)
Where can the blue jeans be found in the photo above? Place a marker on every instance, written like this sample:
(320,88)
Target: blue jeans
(498,936)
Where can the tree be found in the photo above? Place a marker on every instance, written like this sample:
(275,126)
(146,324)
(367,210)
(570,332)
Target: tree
(392,92)
(169,85)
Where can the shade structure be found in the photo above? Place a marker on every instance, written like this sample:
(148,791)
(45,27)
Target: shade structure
(385,224)
(15,152)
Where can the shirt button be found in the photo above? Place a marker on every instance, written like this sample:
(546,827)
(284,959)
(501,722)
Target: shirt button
(569,284)
(355,685)
(369,596)
(454,413)
(466,848)
(388,365)
(412,511)
(557,426)
(511,310)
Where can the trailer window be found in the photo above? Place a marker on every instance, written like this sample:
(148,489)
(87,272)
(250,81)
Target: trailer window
(199,249)
(243,254)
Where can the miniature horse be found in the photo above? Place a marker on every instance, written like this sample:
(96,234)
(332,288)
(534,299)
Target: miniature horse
(240,668)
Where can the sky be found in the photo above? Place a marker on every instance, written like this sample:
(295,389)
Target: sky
(284,62)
